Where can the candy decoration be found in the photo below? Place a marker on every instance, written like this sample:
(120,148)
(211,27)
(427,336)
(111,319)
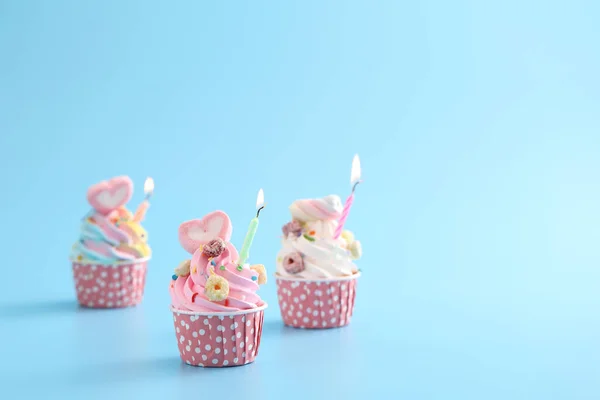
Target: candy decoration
(293,263)
(254,278)
(174,277)
(222,268)
(239,268)
(348,236)
(107,196)
(355,249)
(214,248)
(294,227)
(262,273)
(216,288)
(183,268)
(197,232)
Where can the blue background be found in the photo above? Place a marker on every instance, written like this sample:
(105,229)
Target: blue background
(478,130)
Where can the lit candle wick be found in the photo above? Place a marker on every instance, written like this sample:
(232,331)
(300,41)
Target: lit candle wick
(354,180)
(140,213)
(245,252)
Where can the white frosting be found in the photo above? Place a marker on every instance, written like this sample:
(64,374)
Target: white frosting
(322,229)
(323,258)
(322,255)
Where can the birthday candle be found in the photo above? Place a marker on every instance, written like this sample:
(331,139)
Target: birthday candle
(245,252)
(354,181)
(140,213)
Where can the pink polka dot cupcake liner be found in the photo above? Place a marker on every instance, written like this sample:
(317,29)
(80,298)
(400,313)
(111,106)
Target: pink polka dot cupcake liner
(110,286)
(316,304)
(218,339)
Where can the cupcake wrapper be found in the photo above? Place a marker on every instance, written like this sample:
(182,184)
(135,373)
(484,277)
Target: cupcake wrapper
(316,304)
(218,340)
(109,286)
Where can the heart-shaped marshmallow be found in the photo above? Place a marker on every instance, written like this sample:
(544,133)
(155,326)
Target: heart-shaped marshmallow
(198,232)
(107,196)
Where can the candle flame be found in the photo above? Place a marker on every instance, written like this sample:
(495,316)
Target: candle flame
(148,186)
(355,173)
(260,199)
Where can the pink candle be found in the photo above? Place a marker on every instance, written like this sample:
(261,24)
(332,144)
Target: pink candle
(140,213)
(345,212)
(354,181)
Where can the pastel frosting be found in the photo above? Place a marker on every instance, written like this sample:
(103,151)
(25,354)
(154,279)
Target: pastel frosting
(188,289)
(327,208)
(110,235)
(312,250)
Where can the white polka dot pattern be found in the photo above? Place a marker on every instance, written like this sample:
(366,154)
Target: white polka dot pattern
(220,340)
(316,305)
(109,286)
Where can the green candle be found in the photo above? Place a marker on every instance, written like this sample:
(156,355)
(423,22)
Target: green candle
(245,253)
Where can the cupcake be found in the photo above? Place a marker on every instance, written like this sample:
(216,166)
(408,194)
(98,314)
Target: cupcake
(316,275)
(110,257)
(217,314)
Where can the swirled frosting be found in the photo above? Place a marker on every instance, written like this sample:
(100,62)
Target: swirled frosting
(106,240)
(327,208)
(312,252)
(188,292)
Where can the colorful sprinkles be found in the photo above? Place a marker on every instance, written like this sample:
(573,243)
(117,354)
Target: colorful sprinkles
(310,239)
(222,268)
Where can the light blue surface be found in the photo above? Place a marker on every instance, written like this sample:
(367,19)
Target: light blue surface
(478,129)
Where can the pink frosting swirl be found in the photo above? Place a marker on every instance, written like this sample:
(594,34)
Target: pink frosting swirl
(187,292)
